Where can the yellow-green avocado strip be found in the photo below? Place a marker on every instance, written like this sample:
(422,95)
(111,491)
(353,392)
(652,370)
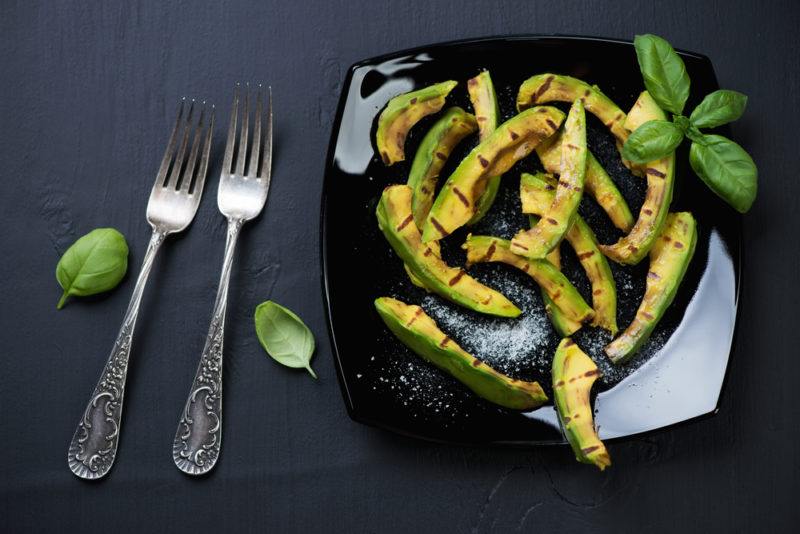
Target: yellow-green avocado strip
(423,260)
(484,102)
(421,334)
(554,223)
(402,113)
(548,87)
(431,156)
(536,193)
(493,249)
(597,184)
(632,248)
(573,375)
(510,142)
(669,259)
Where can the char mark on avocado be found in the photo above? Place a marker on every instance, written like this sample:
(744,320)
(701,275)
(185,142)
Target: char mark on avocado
(405,222)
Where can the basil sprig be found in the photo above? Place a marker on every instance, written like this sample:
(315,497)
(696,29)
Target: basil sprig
(94,263)
(723,165)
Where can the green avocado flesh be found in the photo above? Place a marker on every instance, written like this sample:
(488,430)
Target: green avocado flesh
(537,192)
(402,113)
(424,262)
(632,248)
(573,375)
(547,87)
(556,220)
(550,279)
(669,259)
(597,184)
(563,324)
(510,142)
(420,333)
(431,156)
(484,102)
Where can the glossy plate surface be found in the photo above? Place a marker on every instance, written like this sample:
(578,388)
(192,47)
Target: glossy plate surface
(679,373)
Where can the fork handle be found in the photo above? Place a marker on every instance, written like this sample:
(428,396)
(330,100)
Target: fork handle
(198,438)
(94,445)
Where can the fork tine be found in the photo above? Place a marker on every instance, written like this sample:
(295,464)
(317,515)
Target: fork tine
(191,161)
(228,159)
(242,150)
(172,181)
(252,167)
(173,138)
(200,177)
(266,163)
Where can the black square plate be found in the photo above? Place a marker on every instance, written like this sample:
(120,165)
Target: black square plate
(680,372)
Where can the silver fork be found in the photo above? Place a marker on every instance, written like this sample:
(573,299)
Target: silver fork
(172,206)
(241,197)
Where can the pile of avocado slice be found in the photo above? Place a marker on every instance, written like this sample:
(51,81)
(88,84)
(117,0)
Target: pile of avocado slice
(413,217)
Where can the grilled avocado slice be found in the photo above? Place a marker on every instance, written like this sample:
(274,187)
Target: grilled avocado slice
(549,87)
(484,102)
(424,262)
(511,141)
(402,113)
(632,248)
(597,184)
(420,333)
(493,249)
(556,220)
(573,375)
(431,156)
(669,259)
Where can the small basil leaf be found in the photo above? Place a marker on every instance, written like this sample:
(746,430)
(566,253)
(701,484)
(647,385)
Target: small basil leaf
(727,169)
(284,336)
(718,108)
(663,72)
(651,141)
(94,263)
(695,135)
(682,123)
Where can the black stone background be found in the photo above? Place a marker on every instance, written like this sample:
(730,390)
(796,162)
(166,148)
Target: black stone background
(87,94)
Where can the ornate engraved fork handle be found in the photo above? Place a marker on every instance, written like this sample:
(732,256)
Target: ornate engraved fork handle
(94,446)
(199,436)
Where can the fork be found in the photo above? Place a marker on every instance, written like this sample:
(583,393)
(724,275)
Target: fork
(241,197)
(172,206)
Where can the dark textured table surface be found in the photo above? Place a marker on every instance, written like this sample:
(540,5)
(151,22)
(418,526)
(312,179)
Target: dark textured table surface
(87,94)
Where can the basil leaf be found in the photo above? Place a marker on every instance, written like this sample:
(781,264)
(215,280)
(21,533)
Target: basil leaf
(284,336)
(651,141)
(727,169)
(718,108)
(94,263)
(663,72)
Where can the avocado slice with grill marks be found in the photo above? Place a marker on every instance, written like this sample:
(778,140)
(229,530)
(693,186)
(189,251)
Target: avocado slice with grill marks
(573,375)
(556,220)
(487,112)
(510,142)
(536,193)
(402,113)
(420,333)
(424,262)
(669,259)
(548,87)
(493,249)
(634,246)
(597,184)
(454,125)
(563,324)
